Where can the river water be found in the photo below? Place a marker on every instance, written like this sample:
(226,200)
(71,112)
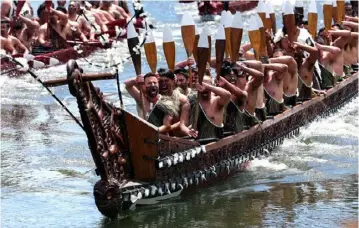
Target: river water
(47,173)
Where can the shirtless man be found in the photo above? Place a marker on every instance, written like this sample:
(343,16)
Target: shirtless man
(173,99)
(57,30)
(234,121)
(273,87)
(116,11)
(212,103)
(26,30)
(77,22)
(182,82)
(351,50)
(6,6)
(105,16)
(10,43)
(290,77)
(340,39)
(150,99)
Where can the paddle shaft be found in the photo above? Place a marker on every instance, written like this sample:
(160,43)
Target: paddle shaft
(85,78)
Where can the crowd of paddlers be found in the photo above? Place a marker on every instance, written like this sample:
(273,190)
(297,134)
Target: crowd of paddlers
(22,32)
(295,67)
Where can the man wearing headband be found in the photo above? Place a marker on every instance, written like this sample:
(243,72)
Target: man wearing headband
(212,103)
(9,43)
(182,82)
(234,120)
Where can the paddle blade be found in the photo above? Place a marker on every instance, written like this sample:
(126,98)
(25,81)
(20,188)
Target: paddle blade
(53,61)
(188,32)
(254,35)
(220,47)
(227,29)
(203,52)
(289,20)
(37,64)
(169,48)
(29,57)
(19,6)
(195,45)
(151,51)
(133,47)
(328,14)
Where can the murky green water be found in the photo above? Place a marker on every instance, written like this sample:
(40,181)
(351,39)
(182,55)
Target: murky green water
(47,171)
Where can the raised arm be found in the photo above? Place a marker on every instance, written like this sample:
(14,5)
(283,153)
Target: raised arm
(31,24)
(20,46)
(313,52)
(132,89)
(62,16)
(234,90)
(331,52)
(288,60)
(352,25)
(224,96)
(254,69)
(343,37)
(279,69)
(349,18)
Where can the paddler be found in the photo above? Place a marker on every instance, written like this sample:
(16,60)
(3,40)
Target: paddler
(340,38)
(182,82)
(212,103)
(274,74)
(7,5)
(26,30)
(57,30)
(351,50)
(172,99)
(96,15)
(234,120)
(79,22)
(116,11)
(10,44)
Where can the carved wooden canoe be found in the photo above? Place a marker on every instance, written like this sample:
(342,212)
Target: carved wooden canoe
(137,165)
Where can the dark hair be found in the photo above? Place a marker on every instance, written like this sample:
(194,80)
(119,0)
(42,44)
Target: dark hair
(166,73)
(228,68)
(42,7)
(305,22)
(321,30)
(148,75)
(298,16)
(339,26)
(62,9)
(182,71)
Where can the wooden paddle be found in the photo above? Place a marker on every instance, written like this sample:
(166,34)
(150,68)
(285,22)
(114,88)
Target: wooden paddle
(151,51)
(341,10)
(188,37)
(236,35)
(312,18)
(220,47)
(289,20)
(335,12)
(254,35)
(84,77)
(203,52)
(133,43)
(261,10)
(18,5)
(227,30)
(195,45)
(328,14)
(263,46)
(169,48)
(272,16)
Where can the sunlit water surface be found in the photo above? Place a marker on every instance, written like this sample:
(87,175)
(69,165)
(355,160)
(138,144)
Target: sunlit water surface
(47,171)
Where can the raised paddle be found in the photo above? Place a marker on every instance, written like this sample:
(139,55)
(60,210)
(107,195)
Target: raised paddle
(289,20)
(220,47)
(195,45)
(328,14)
(341,10)
(227,29)
(263,47)
(261,10)
(151,51)
(203,52)
(169,48)
(133,44)
(236,35)
(335,12)
(18,6)
(254,35)
(272,16)
(188,37)
(84,77)
(312,18)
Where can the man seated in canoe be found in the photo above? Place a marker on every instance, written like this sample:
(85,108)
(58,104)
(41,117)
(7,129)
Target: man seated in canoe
(9,43)
(103,15)
(170,98)
(212,103)
(273,83)
(234,120)
(77,21)
(351,50)
(55,32)
(182,82)
(290,77)
(26,29)
(156,111)
(340,38)
(95,15)
(116,11)
(305,63)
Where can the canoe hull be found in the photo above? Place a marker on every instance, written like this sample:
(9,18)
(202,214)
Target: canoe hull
(157,166)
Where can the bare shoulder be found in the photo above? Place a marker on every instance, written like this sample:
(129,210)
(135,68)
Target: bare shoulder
(183,98)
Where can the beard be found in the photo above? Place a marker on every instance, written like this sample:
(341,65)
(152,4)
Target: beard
(152,91)
(164,89)
(205,95)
